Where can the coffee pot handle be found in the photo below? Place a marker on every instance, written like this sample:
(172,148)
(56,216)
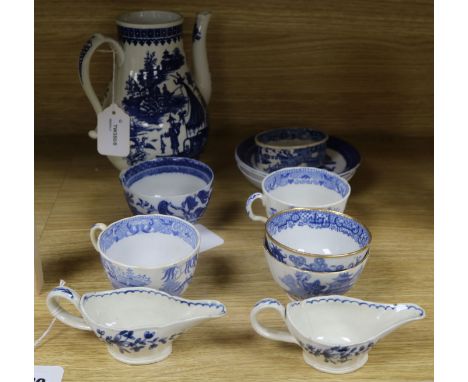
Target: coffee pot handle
(83,68)
(272,334)
(248,207)
(61,314)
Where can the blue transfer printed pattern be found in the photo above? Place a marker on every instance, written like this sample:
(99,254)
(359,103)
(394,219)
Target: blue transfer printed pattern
(276,253)
(86,47)
(150,36)
(246,151)
(177,278)
(272,137)
(159,117)
(143,224)
(273,159)
(313,176)
(65,290)
(166,165)
(303,285)
(191,208)
(319,219)
(337,354)
(314,264)
(124,278)
(127,341)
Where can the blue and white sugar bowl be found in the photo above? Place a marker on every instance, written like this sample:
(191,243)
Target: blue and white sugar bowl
(290,147)
(175,186)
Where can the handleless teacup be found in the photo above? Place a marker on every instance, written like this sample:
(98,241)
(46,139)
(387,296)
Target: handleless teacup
(300,187)
(175,186)
(288,147)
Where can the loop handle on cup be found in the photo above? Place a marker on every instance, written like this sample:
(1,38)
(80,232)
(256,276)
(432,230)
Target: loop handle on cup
(94,233)
(248,207)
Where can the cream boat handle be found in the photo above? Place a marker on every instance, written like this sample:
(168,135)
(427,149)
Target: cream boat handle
(61,314)
(86,54)
(94,234)
(272,334)
(248,207)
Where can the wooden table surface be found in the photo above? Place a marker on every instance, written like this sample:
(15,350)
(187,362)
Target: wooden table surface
(392,193)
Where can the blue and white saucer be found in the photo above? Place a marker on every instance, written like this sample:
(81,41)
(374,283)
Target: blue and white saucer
(342,158)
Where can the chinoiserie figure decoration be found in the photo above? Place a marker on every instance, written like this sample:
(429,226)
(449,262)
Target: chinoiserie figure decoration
(154,86)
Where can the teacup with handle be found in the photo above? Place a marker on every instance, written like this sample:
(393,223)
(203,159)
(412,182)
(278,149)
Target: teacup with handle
(300,187)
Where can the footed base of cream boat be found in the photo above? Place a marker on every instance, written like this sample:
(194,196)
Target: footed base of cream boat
(340,368)
(136,358)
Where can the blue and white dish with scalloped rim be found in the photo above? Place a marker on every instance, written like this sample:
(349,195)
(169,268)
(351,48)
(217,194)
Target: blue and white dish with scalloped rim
(342,158)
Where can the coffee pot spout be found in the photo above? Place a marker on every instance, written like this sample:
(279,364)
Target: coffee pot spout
(200,59)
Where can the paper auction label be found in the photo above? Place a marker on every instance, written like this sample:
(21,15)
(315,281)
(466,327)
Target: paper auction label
(113,132)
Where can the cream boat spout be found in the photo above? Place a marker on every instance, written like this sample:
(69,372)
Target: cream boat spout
(199,312)
(200,58)
(403,314)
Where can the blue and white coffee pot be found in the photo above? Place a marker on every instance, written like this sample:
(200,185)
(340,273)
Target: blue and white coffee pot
(154,86)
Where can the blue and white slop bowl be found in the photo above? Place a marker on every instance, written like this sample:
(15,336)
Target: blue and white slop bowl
(317,240)
(289,147)
(170,186)
(155,251)
(300,284)
(300,187)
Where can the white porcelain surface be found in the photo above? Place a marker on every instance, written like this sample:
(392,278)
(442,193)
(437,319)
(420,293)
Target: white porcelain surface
(300,284)
(317,240)
(300,187)
(167,185)
(155,251)
(335,332)
(138,325)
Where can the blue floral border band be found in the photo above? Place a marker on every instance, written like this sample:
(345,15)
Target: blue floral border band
(143,224)
(319,219)
(304,175)
(156,36)
(167,165)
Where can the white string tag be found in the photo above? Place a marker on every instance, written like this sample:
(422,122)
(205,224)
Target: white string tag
(113,126)
(47,331)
